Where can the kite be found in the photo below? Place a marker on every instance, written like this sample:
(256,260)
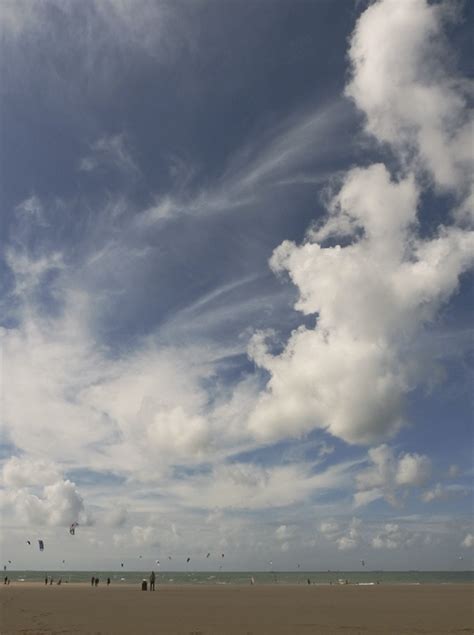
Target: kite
(362,563)
(169,557)
(121,564)
(72,528)
(188,559)
(222,555)
(208,555)
(28,542)
(41,545)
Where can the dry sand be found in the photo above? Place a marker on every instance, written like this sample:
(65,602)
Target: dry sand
(256,610)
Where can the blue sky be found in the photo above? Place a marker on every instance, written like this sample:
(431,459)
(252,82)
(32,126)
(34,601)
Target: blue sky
(236,289)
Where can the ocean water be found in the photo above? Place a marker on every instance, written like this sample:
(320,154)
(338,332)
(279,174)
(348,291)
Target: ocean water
(245,577)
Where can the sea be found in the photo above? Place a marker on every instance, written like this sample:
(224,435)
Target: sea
(250,577)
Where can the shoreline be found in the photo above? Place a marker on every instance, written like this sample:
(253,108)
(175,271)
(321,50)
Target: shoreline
(209,585)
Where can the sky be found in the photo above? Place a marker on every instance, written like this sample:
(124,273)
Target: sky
(236,284)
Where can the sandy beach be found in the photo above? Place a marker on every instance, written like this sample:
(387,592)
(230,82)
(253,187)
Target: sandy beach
(260,610)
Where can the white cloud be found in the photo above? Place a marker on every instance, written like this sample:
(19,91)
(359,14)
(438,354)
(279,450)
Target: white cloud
(111,34)
(402,80)
(37,493)
(32,209)
(351,373)
(346,537)
(142,536)
(390,538)
(453,471)
(351,539)
(29,271)
(285,532)
(443,492)
(366,497)
(258,166)
(247,486)
(110,151)
(468,541)
(329,528)
(387,473)
(413,469)
(378,288)
(18,473)
(116,517)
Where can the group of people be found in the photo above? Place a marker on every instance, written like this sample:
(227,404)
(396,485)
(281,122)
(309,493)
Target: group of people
(95,581)
(51,580)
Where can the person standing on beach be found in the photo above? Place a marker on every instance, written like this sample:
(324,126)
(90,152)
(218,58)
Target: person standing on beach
(92,581)
(152,581)
(108,581)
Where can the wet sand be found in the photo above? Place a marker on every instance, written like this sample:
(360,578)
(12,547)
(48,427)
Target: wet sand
(237,610)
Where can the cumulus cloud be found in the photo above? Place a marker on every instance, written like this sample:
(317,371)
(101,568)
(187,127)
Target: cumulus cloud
(468,541)
(346,537)
(382,283)
(413,469)
(443,492)
(19,472)
(403,81)
(38,494)
(387,473)
(390,538)
(351,373)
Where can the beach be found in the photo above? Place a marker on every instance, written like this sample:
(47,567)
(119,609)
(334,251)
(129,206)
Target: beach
(32,608)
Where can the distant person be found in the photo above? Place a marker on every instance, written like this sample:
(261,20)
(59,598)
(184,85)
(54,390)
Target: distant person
(59,581)
(92,581)
(46,580)
(96,582)
(5,580)
(152,581)
(108,581)
(309,581)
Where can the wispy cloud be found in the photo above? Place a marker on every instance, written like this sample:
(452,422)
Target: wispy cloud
(110,152)
(273,158)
